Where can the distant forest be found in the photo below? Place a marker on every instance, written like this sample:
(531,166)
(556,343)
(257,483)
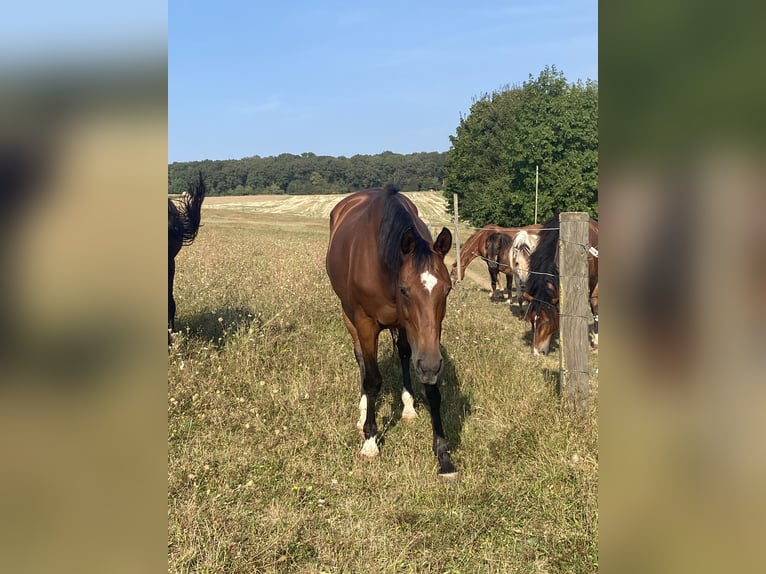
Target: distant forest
(311,174)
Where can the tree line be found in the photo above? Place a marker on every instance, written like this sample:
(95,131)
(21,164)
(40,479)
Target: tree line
(546,122)
(311,174)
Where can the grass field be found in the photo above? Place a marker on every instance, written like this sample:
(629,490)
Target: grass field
(263,471)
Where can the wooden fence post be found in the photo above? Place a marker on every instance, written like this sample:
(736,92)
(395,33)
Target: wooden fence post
(573,302)
(457,239)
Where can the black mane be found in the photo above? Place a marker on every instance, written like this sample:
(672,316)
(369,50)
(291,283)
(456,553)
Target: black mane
(543,265)
(396,221)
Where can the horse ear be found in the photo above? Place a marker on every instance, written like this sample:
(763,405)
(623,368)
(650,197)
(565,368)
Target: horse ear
(443,242)
(408,242)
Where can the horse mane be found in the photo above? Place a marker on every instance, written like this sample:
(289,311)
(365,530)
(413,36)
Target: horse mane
(543,265)
(523,243)
(398,220)
(184,219)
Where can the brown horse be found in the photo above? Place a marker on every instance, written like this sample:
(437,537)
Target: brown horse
(183,224)
(476,246)
(389,274)
(542,289)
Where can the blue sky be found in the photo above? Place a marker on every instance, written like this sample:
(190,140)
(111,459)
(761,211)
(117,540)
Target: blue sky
(342,78)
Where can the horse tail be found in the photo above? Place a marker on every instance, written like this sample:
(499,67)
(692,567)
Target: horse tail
(192,209)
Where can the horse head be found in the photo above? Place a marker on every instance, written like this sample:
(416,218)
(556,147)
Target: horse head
(544,317)
(421,299)
(521,251)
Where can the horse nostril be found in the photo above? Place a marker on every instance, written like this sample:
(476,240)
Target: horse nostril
(429,367)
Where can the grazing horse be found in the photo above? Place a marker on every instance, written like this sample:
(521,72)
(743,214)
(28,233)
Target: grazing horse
(183,224)
(497,249)
(542,290)
(476,245)
(521,250)
(389,274)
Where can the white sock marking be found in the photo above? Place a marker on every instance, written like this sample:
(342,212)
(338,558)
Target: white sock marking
(362,412)
(370,448)
(409,410)
(428,280)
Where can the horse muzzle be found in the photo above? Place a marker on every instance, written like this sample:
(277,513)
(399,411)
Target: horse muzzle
(428,369)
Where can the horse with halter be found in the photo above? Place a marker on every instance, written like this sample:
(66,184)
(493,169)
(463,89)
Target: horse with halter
(183,225)
(389,274)
(542,290)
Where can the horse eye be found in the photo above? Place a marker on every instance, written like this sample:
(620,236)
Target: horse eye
(404,291)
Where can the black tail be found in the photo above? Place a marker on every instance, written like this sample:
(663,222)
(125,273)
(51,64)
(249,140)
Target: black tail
(191,210)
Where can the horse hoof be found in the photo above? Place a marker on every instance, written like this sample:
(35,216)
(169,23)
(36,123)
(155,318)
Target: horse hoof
(409,415)
(369,450)
(449,477)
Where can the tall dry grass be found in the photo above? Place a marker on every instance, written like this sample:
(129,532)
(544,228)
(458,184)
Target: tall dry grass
(263,473)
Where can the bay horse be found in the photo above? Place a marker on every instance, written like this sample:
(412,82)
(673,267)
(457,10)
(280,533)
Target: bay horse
(542,290)
(183,225)
(389,274)
(476,245)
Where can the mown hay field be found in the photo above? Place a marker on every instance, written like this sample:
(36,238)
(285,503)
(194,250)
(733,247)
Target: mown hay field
(263,472)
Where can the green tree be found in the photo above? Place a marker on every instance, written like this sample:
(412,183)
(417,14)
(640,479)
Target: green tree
(308,173)
(546,122)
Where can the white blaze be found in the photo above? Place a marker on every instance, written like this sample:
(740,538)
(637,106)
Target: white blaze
(428,280)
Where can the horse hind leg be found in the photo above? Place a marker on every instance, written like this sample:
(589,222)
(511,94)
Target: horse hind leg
(405,354)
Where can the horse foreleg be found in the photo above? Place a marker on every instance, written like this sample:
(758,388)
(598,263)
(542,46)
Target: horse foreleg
(405,354)
(519,289)
(360,362)
(365,335)
(493,279)
(447,470)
